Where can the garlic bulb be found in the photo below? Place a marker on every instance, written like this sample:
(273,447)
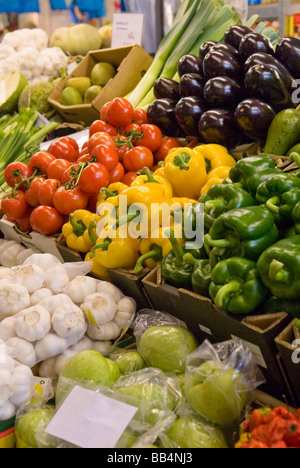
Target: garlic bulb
(13,298)
(33,323)
(39,295)
(51,303)
(49,346)
(110,289)
(7,328)
(126,309)
(81,287)
(22,351)
(43,260)
(21,385)
(56,278)
(108,331)
(30,276)
(99,308)
(68,320)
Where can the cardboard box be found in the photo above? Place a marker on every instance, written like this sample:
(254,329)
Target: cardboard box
(131,62)
(289,349)
(206,321)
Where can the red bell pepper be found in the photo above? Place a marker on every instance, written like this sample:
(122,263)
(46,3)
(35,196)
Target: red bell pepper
(279,445)
(258,417)
(283,412)
(254,444)
(272,432)
(292,435)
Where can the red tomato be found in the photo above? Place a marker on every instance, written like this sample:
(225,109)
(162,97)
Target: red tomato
(140,116)
(120,112)
(46,220)
(69,173)
(85,145)
(129,178)
(11,174)
(23,223)
(167,144)
(14,206)
(84,158)
(70,141)
(101,138)
(57,168)
(101,126)
(83,152)
(41,161)
(122,145)
(32,194)
(93,178)
(154,168)
(63,150)
(103,112)
(137,158)
(47,190)
(117,174)
(152,137)
(68,201)
(106,156)
(131,128)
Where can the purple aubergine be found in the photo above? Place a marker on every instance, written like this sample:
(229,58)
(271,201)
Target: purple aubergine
(234,35)
(218,126)
(166,88)
(263,82)
(261,58)
(254,117)
(189,64)
(221,47)
(288,53)
(217,63)
(188,112)
(205,48)
(223,92)
(161,112)
(253,43)
(191,84)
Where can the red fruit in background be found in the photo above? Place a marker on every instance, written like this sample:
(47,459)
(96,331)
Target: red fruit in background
(41,161)
(57,168)
(84,158)
(14,206)
(166,145)
(152,137)
(100,138)
(140,116)
(47,190)
(101,126)
(103,112)
(129,178)
(70,141)
(122,146)
(23,224)
(32,194)
(117,174)
(106,156)
(46,220)
(69,173)
(137,158)
(68,201)
(63,150)
(11,177)
(93,178)
(120,112)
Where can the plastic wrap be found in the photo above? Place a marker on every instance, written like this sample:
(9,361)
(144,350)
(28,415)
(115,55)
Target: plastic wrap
(219,381)
(163,341)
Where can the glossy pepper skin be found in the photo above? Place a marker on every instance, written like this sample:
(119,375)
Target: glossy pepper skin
(216,177)
(244,232)
(174,269)
(249,166)
(279,268)
(145,176)
(271,193)
(254,181)
(222,198)
(201,276)
(185,169)
(236,286)
(110,194)
(77,231)
(215,156)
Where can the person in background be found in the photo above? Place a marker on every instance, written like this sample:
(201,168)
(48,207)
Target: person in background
(76,15)
(91,15)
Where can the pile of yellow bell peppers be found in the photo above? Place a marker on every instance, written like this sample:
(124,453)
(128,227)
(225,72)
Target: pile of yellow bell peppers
(187,173)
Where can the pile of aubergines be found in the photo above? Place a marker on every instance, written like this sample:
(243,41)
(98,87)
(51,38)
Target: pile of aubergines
(230,93)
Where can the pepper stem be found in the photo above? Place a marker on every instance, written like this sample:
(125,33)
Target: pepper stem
(147,172)
(78,226)
(219,243)
(125,219)
(212,205)
(103,246)
(177,249)
(92,235)
(108,193)
(181,160)
(272,204)
(139,264)
(226,291)
(295,157)
(188,258)
(278,272)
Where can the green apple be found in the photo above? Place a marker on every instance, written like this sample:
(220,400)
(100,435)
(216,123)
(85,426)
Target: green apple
(167,347)
(81,83)
(27,426)
(191,432)
(114,370)
(102,72)
(71,97)
(220,398)
(127,440)
(129,361)
(148,392)
(91,93)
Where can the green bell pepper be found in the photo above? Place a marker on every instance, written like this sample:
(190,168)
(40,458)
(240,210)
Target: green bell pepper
(174,269)
(236,286)
(221,198)
(258,178)
(245,232)
(274,305)
(279,268)
(201,277)
(249,166)
(192,217)
(271,193)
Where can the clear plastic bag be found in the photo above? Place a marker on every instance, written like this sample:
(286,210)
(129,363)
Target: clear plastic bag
(163,340)
(219,380)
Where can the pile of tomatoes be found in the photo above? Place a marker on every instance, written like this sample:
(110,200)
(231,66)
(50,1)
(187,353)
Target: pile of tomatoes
(65,178)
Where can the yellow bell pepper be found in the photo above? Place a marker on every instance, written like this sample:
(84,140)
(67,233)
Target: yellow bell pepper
(77,232)
(146,177)
(216,176)
(97,269)
(111,193)
(116,252)
(185,169)
(215,156)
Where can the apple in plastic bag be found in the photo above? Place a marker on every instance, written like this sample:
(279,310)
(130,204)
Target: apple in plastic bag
(129,361)
(27,425)
(166,347)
